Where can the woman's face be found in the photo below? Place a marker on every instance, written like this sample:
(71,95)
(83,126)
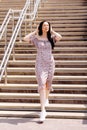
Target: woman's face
(45,27)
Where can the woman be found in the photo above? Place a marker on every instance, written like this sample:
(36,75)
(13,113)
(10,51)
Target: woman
(44,39)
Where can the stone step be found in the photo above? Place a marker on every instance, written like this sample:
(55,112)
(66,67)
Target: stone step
(35,96)
(44,11)
(59,22)
(54,23)
(65,15)
(55,55)
(56,13)
(66,1)
(65,4)
(77,20)
(36,114)
(36,106)
(60,49)
(59,26)
(14,2)
(73,21)
(60,44)
(58,63)
(71,39)
(60,56)
(49,5)
(61,30)
(66,7)
(34,87)
(56,50)
(56,78)
(28,71)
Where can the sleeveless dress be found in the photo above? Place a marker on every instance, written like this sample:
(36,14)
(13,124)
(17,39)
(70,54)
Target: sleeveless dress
(45,64)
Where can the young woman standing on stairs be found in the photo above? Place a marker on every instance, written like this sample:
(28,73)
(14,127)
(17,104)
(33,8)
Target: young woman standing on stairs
(44,39)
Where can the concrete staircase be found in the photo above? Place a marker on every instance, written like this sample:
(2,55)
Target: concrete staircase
(19,96)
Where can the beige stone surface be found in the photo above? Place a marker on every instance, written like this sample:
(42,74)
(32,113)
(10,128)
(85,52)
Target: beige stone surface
(49,124)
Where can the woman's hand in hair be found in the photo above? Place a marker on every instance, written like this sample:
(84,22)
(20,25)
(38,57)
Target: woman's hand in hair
(28,36)
(57,36)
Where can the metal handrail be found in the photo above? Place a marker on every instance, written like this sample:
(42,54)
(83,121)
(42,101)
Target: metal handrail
(5,23)
(15,33)
(33,14)
(13,38)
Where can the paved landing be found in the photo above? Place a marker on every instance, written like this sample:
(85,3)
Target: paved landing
(49,124)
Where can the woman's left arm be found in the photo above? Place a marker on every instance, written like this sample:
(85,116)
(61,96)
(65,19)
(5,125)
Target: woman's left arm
(58,37)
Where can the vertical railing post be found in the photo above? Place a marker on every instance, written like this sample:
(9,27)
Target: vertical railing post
(4,51)
(25,26)
(6,75)
(5,39)
(13,25)
(20,35)
(35,17)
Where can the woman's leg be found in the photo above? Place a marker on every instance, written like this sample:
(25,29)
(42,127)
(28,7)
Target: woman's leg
(47,95)
(47,91)
(42,99)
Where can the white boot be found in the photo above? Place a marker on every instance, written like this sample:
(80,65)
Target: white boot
(42,116)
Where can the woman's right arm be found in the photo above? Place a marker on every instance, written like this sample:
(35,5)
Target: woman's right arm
(27,37)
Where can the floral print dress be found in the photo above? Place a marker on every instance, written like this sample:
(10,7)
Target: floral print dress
(45,65)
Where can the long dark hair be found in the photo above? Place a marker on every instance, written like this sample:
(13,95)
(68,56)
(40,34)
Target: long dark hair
(48,33)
